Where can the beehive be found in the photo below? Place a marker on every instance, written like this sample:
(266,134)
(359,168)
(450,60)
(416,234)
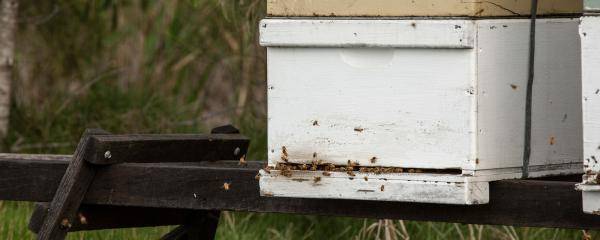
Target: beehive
(590,55)
(420,110)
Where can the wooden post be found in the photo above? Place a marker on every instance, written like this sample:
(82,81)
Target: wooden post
(71,191)
(8,26)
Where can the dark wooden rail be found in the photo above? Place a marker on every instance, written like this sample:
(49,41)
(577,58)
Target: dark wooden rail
(199,186)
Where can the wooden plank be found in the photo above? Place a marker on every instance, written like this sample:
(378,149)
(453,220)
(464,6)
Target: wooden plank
(512,202)
(590,55)
(112,149)
(315,33)
(399,8)
(96,217)
(71,190)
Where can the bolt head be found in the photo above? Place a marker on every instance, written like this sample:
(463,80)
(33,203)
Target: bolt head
(107,155)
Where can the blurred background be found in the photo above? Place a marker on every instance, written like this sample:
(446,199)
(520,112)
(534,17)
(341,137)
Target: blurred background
(172,66)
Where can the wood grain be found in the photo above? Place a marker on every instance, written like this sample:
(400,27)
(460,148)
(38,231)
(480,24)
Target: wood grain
(71,190)
(512,202)
(96,217)
(400,8)
(157,148)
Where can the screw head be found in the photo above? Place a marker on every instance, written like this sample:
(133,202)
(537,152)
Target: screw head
(107,155)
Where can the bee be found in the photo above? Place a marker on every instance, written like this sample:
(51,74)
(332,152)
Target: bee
(315,123)
(411,170)
(317,179)
(314,155)
(267,169)
(358,129)
(226,186)
(287,171)
(303,167)
(257,177)
(82,219)
(65,223)
(373,160)
(284,154)
(351,173)
(366,178)
(327,174)
(382,188)
(313,167)
(284,151)
(243,161)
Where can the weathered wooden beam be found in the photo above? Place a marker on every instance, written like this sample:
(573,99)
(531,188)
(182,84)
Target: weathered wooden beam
(533,203)
(71,190)
(96,217)
(153,148)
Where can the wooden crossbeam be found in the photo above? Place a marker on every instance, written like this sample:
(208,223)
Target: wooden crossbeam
(71,190)
(97,148)
(534,203)
(155,148)
(97,217)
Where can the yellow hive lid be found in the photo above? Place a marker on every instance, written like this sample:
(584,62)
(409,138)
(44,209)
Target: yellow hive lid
(413,8)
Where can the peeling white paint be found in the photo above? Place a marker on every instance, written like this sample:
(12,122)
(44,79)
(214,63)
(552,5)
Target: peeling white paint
(421,98)
(590,55)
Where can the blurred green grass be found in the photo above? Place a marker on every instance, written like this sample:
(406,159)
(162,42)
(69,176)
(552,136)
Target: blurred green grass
(139,66)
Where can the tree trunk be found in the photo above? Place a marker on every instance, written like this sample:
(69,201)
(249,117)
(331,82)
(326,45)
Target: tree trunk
(8,26)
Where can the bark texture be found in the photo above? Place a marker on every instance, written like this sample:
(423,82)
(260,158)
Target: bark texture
(8,26)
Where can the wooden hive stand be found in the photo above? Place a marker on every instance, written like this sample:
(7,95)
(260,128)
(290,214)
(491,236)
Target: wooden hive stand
(98,149)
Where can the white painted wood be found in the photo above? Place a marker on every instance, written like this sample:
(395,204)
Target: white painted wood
(366,33)
(370,103)
(304,185)
(414,106)
(502,80)
(590,55)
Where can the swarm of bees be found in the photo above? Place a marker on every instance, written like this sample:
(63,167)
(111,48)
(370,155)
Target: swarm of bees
(286,168)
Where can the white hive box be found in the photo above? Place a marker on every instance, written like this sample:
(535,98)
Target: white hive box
(590,55)
(443,100)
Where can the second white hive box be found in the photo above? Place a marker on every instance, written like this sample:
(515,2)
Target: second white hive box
(442,100)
